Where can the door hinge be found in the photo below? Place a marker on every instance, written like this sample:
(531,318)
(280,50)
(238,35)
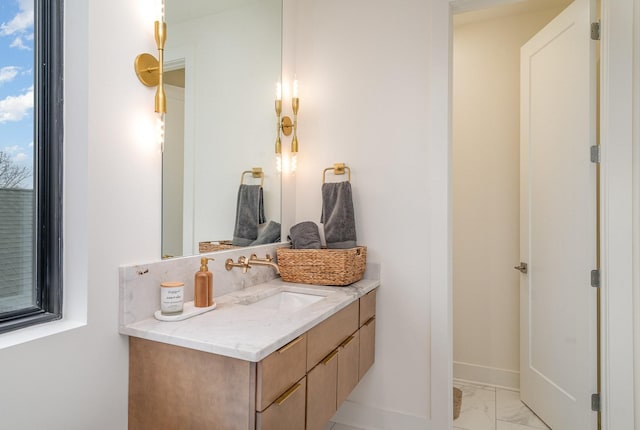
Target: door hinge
(595,278)
(595,30)
(595,402)
(595,154)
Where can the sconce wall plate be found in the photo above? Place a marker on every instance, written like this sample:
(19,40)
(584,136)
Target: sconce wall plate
(147,69)
(287,126)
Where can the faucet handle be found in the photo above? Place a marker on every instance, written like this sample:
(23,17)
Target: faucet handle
(245,263)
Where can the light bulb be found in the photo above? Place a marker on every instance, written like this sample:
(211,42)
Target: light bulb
(160,131)
(294,162)
(279,163)
(278,91)
(295,88)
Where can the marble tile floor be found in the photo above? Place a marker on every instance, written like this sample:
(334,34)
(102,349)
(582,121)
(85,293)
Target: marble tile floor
(485,408)
(489,408)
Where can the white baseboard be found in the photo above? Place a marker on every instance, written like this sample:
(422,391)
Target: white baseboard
(486,375)
(368,418)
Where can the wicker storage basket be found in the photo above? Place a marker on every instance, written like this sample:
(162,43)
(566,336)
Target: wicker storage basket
(322,266)
(216,245)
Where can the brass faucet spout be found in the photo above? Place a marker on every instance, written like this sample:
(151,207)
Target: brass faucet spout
(267,261)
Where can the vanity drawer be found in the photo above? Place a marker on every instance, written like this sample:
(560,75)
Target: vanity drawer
(322,383)
(367,307)
(287,412)
(329,334)
(367,346)
(280,370)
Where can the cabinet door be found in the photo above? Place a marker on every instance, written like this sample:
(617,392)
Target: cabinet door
(321,392)
(348,364)
(367,346)
(280,370)
(287,411)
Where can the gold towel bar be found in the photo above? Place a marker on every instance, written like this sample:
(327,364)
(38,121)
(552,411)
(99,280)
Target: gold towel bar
(338,169)
(256,172)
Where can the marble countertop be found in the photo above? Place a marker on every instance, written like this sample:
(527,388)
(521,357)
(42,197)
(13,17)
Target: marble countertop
(239,330)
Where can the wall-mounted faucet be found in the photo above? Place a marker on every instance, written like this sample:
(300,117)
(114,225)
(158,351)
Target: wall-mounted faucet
(266,261)
(253,260)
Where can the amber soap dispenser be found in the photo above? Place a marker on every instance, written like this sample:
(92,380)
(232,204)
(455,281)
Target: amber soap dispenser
(203,283)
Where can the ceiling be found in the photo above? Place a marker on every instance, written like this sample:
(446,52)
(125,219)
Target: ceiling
(468,11)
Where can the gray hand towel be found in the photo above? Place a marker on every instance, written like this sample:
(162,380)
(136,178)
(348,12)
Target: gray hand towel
(270,234)
(249,213)
(338,215)
(305,235)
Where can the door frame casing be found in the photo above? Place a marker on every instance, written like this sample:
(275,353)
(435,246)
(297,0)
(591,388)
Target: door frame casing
(617,194)
(616,225)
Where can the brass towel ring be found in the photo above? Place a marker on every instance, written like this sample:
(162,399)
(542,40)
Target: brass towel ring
(338,169)
(256,172)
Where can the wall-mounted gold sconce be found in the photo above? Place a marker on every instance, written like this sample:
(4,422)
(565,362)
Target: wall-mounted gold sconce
(286,126)
(150,70)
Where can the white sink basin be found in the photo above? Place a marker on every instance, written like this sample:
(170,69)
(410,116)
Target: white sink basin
(287,301)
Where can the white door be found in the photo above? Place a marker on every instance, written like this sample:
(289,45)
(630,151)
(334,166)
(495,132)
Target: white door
(558,350)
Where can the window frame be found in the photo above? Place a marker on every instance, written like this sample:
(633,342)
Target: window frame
(48,169)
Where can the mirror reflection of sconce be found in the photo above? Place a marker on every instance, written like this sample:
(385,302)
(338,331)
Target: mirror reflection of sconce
(286,126)
(150,70)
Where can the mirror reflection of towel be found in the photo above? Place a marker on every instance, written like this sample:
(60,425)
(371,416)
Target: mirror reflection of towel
(270,234)
(249,214)
(338,215)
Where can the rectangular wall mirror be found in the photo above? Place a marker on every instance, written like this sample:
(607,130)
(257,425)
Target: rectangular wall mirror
(222,60)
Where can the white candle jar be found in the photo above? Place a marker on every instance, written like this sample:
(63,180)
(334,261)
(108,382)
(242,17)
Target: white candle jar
(171,298)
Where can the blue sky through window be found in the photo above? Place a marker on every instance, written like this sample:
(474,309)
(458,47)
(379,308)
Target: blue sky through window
(16,82)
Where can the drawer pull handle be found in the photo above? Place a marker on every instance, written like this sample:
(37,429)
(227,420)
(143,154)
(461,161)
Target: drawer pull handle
(369,321)
(290,345)
(329,357)
(347,341)
(280,400)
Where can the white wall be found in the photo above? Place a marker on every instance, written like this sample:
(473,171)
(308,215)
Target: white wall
(486,136)
(77,379)
(363,69)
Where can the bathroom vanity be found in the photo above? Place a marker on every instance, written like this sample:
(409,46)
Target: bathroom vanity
(272,356)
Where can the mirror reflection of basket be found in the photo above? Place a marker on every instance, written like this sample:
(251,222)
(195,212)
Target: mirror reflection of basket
(337,267)
(215,245)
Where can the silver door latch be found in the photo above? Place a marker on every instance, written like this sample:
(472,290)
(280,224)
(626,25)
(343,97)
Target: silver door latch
(522,267)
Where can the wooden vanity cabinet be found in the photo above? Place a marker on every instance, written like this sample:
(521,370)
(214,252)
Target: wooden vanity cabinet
(298,387)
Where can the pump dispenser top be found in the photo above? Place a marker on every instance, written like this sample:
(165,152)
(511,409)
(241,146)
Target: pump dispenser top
(203,284)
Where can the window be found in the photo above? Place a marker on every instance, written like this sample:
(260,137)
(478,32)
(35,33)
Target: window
(31,134)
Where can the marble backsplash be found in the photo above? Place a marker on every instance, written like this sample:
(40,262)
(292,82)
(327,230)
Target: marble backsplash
(140,284)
